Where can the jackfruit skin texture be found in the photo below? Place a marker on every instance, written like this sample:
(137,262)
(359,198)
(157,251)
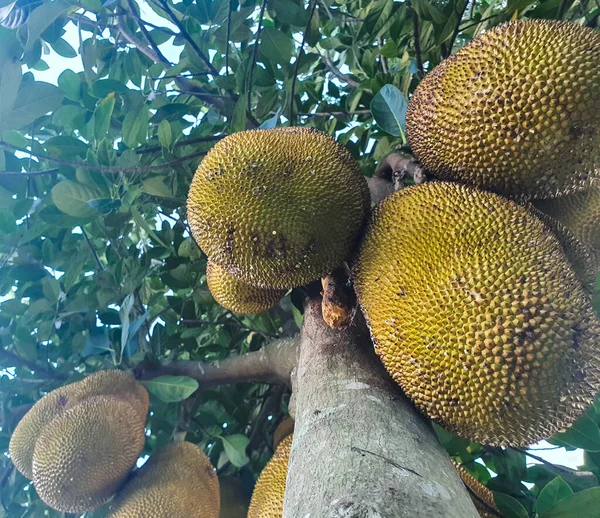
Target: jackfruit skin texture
(178,481)
(269,491)
(277,208)
(56,402)
(285,428)
(84,456)
(237,295)
(579,212)
(482,497)
(476,313)
(516,111)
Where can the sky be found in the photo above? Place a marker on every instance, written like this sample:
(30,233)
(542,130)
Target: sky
(58,64)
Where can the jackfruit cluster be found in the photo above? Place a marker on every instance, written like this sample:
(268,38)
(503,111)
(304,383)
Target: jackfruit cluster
(277,208)
(178,481)
(237,295)
(516,111)
(267,498)
(482,497)
(79,442)
(477,314)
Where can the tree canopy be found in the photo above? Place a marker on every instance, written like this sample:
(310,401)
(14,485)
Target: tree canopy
(97,266)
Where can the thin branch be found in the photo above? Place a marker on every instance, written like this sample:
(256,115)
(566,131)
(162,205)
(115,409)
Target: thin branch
(255,53)
(456,30)
(188,142)
(188,38)
(300,54)
(130,38)
(92,249)
(271,364)
(105,168)
(17,361)
(417,39)
(146,34)
(335,114)
(232,321)
(269,406)
(29,174)
(228,36)
(382,59)
(337,73)
(553,467)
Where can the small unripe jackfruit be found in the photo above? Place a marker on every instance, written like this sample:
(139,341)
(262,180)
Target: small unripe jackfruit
(277,208)
(84,455)
(237,295)
(178,481)
(477,314)
(55,403)
(516,111)
(482,497)
(269,491)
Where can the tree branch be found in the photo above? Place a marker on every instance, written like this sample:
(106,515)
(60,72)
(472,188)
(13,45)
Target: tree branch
(553,467)
(255,54)
(29,173)
(271,364)
(337,73)
(92,249)
(11,359)
(300,54)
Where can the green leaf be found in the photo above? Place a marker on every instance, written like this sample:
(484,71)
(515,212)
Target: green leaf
(72,198)
(509,507)
(583,433)
(102,116)
(63,48)
(135,127)
(35,98)
(238,119)
(276,46)
(66,146)
(583,504)
(165,137)
(552,493)
(70,83)
(10,79)
(389,111)
(171,389)
(155,186)
(42,17)
(235,448)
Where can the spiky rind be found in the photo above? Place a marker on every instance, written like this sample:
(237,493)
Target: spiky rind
(178,481)
(267,499)
(477,314)
(516,111)
(277,208)
(83,456)
(482,497)
(237,295)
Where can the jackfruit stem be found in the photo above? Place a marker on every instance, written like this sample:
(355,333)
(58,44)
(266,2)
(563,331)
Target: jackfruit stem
(396,167)
(271,364)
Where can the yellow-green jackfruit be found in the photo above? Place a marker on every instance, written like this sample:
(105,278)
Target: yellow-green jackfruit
(277,208)
(83,456)
(267,498)
(237,295)
(482,497)
(55,403)
(477,314)
(516,111)
(178,481)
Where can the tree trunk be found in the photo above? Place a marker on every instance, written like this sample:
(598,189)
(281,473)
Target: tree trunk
(360,449)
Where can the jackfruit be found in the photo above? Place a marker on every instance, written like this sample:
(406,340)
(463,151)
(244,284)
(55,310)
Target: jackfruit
(475,311)
(234,499)
(516,111)
(285,428)
(277,208)
(55,403)
(269,491)
(579,212)
(482,497)
(84,455)
(237,295)
(178,481)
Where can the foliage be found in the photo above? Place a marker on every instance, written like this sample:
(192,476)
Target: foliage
(98,268)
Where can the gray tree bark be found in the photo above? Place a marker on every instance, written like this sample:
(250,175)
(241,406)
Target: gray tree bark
(360,449)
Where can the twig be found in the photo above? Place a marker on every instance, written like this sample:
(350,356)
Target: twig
(337,73)
(456,30)
(105,168)
(417,39)
(146,34)
(553,467)
(92,249)
(29,174)
(228,36)
(32,366)
(382,59)
(255,53)
(148,52)
(335,114)
(271,364)
(188,142)
(300,54)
